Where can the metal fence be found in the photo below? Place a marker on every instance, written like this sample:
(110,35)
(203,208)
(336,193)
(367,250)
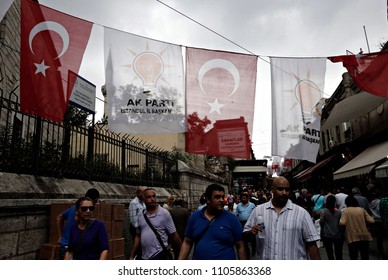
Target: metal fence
(32,145)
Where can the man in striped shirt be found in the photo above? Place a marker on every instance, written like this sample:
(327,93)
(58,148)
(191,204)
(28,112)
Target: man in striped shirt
(289,231)
(136,206)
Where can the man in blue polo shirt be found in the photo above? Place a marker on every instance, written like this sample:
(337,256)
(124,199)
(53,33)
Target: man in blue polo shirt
(213,227)
(243,210)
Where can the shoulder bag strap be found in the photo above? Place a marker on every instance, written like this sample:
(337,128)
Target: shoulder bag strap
(82,237)
(155,231)
(317,199)
(203,233)
(205,230)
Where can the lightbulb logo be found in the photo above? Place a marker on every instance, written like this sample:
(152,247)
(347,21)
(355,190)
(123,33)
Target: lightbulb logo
(149,67)
(308,95)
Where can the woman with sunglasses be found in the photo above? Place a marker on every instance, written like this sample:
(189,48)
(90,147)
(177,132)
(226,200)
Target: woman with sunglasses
(88,237)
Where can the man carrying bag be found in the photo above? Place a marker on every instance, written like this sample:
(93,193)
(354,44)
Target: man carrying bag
(155,234)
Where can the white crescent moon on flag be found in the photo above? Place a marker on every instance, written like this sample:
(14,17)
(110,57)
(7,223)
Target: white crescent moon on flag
(220,63)
(53,26)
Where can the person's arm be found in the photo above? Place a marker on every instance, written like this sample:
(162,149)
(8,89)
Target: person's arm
(68,255)
(176,243)
(237,212)
(344,218)
(382,213)
(104,255)
(313,250)
(60,224)
(241,252)
(185,249)
(132,214)
(322,218)
(251,228)
(369,218)
(136,244)
(103,242)
(253,231)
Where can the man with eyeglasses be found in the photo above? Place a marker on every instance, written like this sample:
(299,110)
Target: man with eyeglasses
(289,231)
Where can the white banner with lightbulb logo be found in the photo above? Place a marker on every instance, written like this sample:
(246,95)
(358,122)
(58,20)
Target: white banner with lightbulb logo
(144,83)
(297,90)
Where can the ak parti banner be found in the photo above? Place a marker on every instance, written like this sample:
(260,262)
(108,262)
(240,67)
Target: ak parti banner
(297,86)
(220,97)
(144,83)
(51,44)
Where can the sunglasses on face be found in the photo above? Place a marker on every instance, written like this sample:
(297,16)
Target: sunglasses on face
(86,208)
(280,189)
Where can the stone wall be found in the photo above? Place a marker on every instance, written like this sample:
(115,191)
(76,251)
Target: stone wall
(25,202)
(193,182)
(9,52)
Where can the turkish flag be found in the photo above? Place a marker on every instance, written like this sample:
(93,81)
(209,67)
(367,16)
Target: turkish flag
(51,44)
(369,71)
(220,98)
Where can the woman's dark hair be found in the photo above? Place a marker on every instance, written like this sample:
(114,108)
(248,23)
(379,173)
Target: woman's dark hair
(82,199)
(330,203)
(351,201)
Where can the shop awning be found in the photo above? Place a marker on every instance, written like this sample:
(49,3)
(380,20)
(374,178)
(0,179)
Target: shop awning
(352,107)
(308,173)
(381,171)
(364,162)
(242,169)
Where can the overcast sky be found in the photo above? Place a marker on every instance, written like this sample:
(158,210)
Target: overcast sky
(283,28)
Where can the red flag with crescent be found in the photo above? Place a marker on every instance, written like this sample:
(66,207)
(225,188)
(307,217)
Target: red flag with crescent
(220,98)
(51,44)
(369,71)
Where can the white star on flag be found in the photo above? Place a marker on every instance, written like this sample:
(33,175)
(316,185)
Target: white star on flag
(41,68)
(215,107)
(219,82)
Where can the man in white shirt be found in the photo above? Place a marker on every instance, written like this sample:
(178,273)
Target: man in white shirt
(289,231)
(340,196)
(136,206)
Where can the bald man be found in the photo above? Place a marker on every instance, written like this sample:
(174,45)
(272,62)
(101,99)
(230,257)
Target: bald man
(290,233)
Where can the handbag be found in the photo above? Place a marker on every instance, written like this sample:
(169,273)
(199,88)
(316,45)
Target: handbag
(165,254)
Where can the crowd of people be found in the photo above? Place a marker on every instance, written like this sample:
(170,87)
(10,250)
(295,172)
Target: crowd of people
(270,224)
(351,218)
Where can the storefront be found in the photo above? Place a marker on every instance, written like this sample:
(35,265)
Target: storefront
(364,163)
(381,174)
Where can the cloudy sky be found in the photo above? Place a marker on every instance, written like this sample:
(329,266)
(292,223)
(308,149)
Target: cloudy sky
(282,28)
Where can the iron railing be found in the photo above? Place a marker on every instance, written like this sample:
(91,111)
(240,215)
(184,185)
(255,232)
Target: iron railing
(32,145)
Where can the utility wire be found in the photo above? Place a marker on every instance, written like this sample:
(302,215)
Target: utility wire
(204,26)
(229,40)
